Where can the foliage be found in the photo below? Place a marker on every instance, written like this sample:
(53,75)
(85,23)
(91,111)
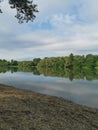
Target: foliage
(70,61)
(13,63)
(4,63)
(25,63)
(78,66)
(36,61)
(72,66)
(25,9)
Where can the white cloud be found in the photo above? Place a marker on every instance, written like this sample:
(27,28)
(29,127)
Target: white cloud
(59,20)
(84,38)
(69,30)
(86,10)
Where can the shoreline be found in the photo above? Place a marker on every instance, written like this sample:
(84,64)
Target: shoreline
(26,110)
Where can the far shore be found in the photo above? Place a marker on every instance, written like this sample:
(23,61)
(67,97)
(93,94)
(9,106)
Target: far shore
(26,110)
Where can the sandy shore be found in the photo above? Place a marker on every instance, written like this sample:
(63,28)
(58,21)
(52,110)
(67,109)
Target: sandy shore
(25,110)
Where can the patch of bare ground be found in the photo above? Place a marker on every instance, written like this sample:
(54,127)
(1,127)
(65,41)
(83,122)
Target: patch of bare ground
(25,110)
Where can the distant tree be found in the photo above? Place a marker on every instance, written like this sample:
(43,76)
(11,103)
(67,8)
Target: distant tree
(25,9)
(71,57)
(70,61)
(90,61)
(13,62)
(3,62)
(79,61)
(25,63)
(36,61)
(96,64)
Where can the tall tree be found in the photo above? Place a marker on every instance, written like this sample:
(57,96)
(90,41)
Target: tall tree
(70,61)
(25,9)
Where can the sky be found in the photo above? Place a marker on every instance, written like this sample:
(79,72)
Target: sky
(60,28)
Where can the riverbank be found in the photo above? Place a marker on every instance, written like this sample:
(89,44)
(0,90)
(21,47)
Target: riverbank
(25,110)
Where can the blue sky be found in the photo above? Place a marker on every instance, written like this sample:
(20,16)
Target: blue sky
(60,28)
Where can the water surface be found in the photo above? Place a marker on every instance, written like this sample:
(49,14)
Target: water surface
(81,91)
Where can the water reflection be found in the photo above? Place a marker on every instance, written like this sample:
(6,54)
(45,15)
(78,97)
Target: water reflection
(69,85)
(71,74)
(87,74)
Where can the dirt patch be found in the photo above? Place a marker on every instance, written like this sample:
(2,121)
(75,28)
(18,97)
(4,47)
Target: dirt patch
(25,110)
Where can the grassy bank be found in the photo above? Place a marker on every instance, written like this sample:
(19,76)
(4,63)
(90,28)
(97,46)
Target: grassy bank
(25,110)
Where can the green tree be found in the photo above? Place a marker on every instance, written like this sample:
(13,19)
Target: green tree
(70,61)
(97,64)
(3,63)
(79,61)
(25,9)
(36,61)
(13,62)
(90,61)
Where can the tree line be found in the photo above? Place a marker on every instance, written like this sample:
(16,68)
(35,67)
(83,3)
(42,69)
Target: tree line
(15,63)
(72,66)
(68,62)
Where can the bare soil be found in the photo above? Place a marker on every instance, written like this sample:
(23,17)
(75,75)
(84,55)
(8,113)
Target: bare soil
(25,110)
